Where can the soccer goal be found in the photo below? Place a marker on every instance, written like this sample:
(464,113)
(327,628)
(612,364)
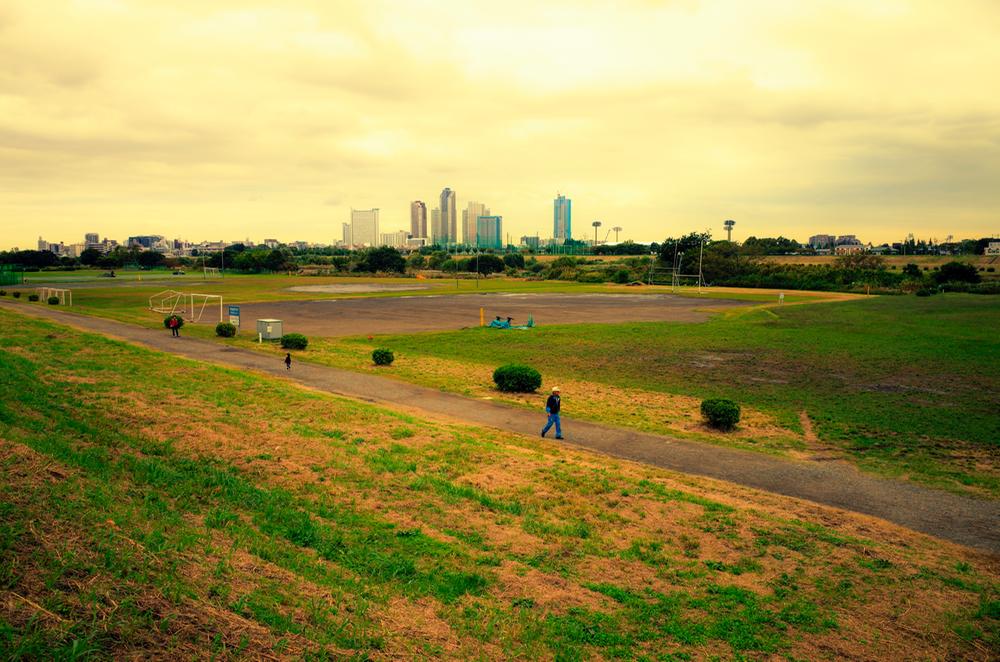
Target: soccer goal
(211,272)
(65,296)
(192,306)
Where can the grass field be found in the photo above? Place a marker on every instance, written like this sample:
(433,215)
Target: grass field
(127,299)
(904,386)
(149,503)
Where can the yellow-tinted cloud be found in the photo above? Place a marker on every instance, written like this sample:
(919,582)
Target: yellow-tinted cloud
(230,119)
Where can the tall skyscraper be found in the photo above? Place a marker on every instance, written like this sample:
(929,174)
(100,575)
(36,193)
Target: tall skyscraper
(470,218)
(562,218)
(437,233)
(489,230)
(346,229)
(418,219)
(449,221)
(364,227)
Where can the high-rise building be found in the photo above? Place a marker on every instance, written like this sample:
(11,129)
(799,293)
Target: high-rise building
(418,219)
(449,221)
(470,218)
(346,230)
(437,233)
(819,241)
(562,219)
(489,230)
(531,241)
(42,244)
(91,238)
(364,227)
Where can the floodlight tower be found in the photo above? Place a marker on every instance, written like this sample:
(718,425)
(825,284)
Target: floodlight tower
(729,229)
(617,229)
(596,225)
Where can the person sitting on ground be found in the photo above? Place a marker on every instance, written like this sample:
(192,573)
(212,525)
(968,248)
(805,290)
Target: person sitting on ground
(497,323)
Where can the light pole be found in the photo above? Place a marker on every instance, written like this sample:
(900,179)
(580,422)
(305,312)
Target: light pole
(596,225)
(617,229)
(729,229)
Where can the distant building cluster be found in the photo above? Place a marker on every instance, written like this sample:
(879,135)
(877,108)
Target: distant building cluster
(479,227)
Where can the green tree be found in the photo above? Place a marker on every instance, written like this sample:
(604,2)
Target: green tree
(416,261)
(383,258)
(150,259)
(90,257)
(957,272)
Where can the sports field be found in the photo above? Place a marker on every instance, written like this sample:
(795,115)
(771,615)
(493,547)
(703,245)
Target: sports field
(214,513)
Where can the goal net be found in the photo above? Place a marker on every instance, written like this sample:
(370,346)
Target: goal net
(211,272)
(65,296)
(192,306)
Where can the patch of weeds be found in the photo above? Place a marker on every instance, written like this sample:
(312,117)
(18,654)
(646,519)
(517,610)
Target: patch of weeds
(873,563)
(451,490)
(389,461)
(571,529)
(690,547)
(401,433)
(668,494)
(738,568)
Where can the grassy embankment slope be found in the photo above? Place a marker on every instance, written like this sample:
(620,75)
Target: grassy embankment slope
(903,386)
(153,504)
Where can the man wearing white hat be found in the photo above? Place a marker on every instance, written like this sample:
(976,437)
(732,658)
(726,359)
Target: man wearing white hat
(552,409)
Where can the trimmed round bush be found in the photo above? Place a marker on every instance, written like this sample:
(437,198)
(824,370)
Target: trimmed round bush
(225,330)
(383,356)
(514,378)
(53,301)
(166,321)
(16,294)
(294,341)
(32,297)
(721,413)
(924,292)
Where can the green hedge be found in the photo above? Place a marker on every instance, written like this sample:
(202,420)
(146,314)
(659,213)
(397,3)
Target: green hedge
(721,413)
(53,301)
(383,356)
(225,329)
(294,341)
(514,378)
(32,297)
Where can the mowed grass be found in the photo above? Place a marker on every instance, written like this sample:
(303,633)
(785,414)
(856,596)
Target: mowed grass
(154,505)
(904,386)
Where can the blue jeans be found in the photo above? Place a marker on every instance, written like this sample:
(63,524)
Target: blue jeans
(553,420)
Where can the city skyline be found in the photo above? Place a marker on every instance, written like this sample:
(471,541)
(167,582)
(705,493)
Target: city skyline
(638,113)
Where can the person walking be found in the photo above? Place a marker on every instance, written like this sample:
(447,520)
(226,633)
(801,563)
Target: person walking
(552,406)
(288,360)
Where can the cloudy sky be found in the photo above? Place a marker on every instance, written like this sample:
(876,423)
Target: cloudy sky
(217,119)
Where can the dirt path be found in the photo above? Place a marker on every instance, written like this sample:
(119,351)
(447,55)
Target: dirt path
(960,519)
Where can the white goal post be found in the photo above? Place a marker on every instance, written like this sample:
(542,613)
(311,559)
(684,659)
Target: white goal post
(189,305)
(211,272)
(65,296)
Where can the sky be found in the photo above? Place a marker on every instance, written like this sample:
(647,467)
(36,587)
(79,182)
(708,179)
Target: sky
(209,120)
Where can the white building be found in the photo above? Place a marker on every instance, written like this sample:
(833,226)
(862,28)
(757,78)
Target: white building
(364,227)
(993,248)
(395,239)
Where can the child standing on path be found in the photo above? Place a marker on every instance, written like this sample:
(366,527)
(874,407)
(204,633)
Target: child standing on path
(288,360)
(552,406)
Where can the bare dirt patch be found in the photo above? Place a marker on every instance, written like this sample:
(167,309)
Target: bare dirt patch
(356,288)
(360,316)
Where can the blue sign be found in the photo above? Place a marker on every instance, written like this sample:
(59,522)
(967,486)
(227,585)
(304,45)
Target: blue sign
(234,311)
